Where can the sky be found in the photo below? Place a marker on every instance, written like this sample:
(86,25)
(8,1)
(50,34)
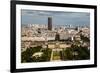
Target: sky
(58,17)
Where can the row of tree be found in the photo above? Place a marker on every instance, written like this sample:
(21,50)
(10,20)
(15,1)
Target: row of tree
(76,53)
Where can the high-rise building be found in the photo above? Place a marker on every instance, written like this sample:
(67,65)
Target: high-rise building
(49,23)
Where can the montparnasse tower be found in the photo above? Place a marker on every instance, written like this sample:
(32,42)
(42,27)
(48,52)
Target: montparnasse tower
(49,23)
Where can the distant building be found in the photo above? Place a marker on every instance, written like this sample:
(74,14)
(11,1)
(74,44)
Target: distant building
(50,35)
(64,35)
(49,23)
(86,32)
(77,37)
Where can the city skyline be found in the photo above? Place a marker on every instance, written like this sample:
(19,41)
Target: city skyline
(58,17)
(42,42)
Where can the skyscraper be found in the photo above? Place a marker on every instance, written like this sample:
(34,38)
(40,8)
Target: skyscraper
(49,23)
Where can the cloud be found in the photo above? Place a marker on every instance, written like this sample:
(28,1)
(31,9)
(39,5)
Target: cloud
(37,16)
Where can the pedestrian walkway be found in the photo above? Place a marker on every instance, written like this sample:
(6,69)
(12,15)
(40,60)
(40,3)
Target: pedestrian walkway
(56,55)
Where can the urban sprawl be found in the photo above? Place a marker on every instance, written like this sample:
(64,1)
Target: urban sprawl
(48,42)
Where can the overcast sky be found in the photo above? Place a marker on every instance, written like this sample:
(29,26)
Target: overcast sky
(58,18)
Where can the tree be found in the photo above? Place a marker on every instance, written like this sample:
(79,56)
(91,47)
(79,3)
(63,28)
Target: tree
(68,54)
(26,55)
(85,39)
(57,38)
